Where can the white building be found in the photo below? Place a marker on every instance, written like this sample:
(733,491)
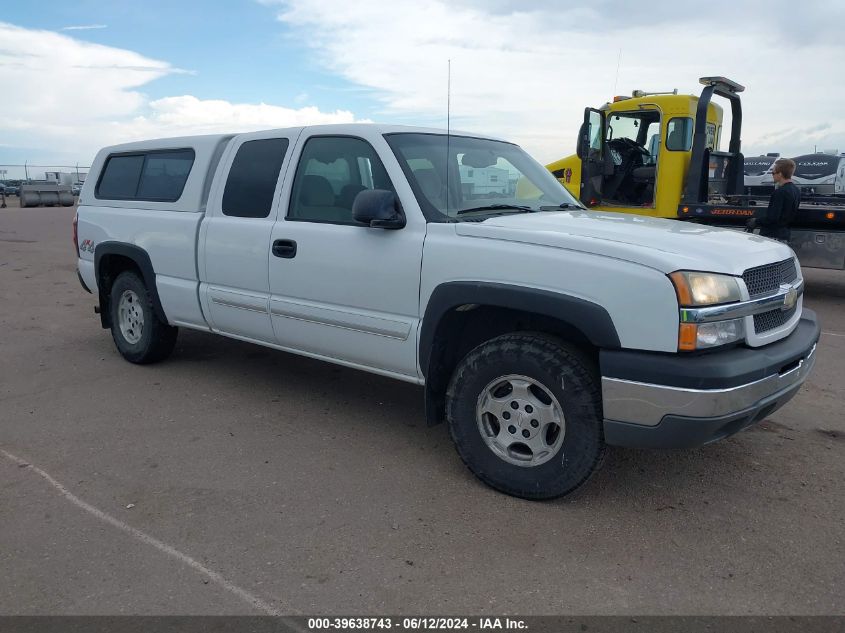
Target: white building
(64,177)
(485,180)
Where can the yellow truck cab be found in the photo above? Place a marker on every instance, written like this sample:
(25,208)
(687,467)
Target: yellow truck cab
(658,154)
(634,154)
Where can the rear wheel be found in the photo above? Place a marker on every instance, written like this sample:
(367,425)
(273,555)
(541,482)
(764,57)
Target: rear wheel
(524,411)
(140,336)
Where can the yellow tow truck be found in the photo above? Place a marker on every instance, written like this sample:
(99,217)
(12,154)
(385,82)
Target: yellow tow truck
(657,154)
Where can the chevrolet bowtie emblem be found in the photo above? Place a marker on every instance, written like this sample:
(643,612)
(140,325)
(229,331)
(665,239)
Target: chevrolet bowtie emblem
(790,299)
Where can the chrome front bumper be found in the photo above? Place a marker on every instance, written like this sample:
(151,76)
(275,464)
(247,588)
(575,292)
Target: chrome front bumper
(648,404)
(689,401)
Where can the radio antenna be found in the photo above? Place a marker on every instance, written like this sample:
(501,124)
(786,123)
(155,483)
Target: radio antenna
(448,125)
(618,63)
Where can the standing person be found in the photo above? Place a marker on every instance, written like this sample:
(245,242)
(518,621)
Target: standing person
(783,205)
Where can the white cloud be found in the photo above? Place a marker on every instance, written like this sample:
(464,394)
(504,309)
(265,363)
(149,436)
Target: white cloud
(64,98)
(188,115)
(525,70)
(83,27)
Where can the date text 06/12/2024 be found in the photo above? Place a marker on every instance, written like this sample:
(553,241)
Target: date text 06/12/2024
(416,624)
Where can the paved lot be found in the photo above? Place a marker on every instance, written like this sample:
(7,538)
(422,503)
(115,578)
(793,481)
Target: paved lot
(289,485)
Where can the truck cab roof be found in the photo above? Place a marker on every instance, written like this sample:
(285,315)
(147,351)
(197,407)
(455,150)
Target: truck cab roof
(212,140)
(207,150)
(673,104)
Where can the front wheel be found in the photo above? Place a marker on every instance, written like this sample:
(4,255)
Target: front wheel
(524,411)
(140,336)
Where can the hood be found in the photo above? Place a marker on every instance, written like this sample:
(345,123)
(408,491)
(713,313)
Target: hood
(666,245)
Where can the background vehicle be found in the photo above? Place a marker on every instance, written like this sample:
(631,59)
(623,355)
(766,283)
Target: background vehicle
(822,173)
(657,154)
(540,331)
(816,174)
(758,175)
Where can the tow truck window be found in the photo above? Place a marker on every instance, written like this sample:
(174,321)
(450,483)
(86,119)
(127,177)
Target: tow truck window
(679,134)
(653,147)
(595,131)
(631,130)
(623,127)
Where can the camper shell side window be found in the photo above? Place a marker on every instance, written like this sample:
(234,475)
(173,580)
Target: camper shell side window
(153,175)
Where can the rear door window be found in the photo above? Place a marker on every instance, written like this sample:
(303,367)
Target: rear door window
(253,177)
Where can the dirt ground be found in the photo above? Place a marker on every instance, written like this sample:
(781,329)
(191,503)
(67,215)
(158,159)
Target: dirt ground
(233,479)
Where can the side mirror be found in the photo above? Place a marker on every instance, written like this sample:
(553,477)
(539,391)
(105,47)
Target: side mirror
(583,141)
(379,209)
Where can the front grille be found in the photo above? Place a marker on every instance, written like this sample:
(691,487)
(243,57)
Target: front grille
(772,319)
(765,280)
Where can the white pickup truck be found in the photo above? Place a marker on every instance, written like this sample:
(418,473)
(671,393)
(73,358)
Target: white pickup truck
(540,331)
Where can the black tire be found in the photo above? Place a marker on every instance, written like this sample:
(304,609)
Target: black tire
(157,338)
(567,374)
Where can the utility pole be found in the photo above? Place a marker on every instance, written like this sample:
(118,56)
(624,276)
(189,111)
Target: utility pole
(26,171)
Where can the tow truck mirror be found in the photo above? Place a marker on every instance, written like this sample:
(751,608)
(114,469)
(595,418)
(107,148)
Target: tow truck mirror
(379,209)
(583,141)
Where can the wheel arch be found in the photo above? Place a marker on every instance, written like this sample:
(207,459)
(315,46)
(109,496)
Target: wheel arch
(113,258)
(461,315)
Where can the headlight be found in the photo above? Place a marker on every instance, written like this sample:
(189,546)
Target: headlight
(695,336)
(696,289)
(704,289)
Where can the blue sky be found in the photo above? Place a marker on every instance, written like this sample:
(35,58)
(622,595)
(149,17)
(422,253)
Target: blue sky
(235,50)
(521,69)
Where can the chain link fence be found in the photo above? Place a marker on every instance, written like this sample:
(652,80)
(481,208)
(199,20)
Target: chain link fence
(14,174)
(50,184)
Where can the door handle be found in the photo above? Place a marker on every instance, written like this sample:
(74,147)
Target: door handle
(284,248)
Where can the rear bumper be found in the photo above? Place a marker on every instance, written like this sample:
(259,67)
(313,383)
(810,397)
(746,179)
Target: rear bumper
(687,401)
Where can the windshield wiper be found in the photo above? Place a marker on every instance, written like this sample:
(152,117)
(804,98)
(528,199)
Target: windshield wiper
(496,207)
(563,205)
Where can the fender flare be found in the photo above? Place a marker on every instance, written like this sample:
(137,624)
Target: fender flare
(141,259)
(589,318)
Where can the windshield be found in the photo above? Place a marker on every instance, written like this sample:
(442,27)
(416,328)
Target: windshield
(639,128)
(478,177)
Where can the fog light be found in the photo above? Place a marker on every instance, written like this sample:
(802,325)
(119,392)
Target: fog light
(719,333)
